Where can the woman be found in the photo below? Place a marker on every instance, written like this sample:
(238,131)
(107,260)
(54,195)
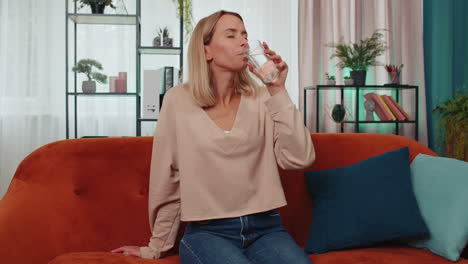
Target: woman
(216,149)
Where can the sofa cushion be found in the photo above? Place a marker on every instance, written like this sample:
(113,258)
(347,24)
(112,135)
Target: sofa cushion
(363,203)
(440,187)
(109,258)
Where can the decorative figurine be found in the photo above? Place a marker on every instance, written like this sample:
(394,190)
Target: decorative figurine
(369,105)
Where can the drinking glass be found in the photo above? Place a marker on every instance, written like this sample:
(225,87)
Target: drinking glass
(265,67)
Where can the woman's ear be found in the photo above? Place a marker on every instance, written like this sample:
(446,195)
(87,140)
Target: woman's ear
(208,56)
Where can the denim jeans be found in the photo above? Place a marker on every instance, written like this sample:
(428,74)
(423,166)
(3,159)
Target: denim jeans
(255,238)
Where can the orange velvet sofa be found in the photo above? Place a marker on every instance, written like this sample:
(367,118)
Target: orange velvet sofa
(72,201)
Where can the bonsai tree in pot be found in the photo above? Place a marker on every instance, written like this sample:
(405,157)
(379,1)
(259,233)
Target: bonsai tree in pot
(359,56)
(453,120)
(97,6)
(86,66)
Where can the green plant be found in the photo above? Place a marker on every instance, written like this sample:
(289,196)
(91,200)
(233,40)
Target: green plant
(184,9)
(453,117)
(86,66)
(159,32)
(359,56)
(329,77)
(89,2)
(347,77)
(164,32)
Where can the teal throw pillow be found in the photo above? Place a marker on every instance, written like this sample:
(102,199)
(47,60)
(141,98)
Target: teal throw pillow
(441,189)
(364,203)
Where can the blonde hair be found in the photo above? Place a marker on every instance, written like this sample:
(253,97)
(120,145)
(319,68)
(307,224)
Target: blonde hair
(199,82)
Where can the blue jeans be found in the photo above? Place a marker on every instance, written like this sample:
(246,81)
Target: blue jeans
(255,238)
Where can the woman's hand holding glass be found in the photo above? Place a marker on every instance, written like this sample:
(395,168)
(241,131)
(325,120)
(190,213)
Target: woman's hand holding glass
(272,71)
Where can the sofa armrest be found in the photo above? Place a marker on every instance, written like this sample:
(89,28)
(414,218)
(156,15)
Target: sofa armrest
(75,196)
(26,226)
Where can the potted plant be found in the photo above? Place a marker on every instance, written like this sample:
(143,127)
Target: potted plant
(453,120)
(157,40)
(359,56)
(330,79)
(348,80)
(86,66)
(184,10)
(97,6)
(167,41)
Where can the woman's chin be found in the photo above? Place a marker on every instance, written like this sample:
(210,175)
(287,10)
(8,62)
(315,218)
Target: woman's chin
(241,67)
(236,67)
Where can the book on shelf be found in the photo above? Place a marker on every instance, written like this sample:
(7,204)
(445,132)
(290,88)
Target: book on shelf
(386,108)
(407,117)
(379,107)
(399,115)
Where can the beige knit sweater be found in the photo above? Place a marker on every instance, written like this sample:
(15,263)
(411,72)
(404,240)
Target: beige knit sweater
(199,172)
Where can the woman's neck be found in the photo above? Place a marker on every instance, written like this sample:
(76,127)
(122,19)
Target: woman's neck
(223,85)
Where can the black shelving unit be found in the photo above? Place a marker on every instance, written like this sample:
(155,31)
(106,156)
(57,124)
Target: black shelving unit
(356,88)
(107,19)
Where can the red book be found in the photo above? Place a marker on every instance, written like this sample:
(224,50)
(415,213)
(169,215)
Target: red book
(379,107)
(386,107)
(401,109)
(393,108)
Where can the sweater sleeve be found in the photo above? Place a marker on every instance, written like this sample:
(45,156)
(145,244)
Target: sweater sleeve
(292,143)
(164,196)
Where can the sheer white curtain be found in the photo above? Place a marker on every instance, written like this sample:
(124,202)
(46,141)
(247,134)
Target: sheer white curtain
(31,79)
(32,66)
(326,21)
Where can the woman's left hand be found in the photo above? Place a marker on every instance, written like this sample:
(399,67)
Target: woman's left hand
(279,83)
(128,251)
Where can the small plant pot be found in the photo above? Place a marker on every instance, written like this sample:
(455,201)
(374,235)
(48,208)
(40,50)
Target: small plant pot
(167,42)
(97,8)
(157,42)
(88,86)
(331,82)
(359,77)
(348,81)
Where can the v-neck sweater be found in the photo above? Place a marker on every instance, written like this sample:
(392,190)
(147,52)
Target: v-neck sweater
(199,172)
